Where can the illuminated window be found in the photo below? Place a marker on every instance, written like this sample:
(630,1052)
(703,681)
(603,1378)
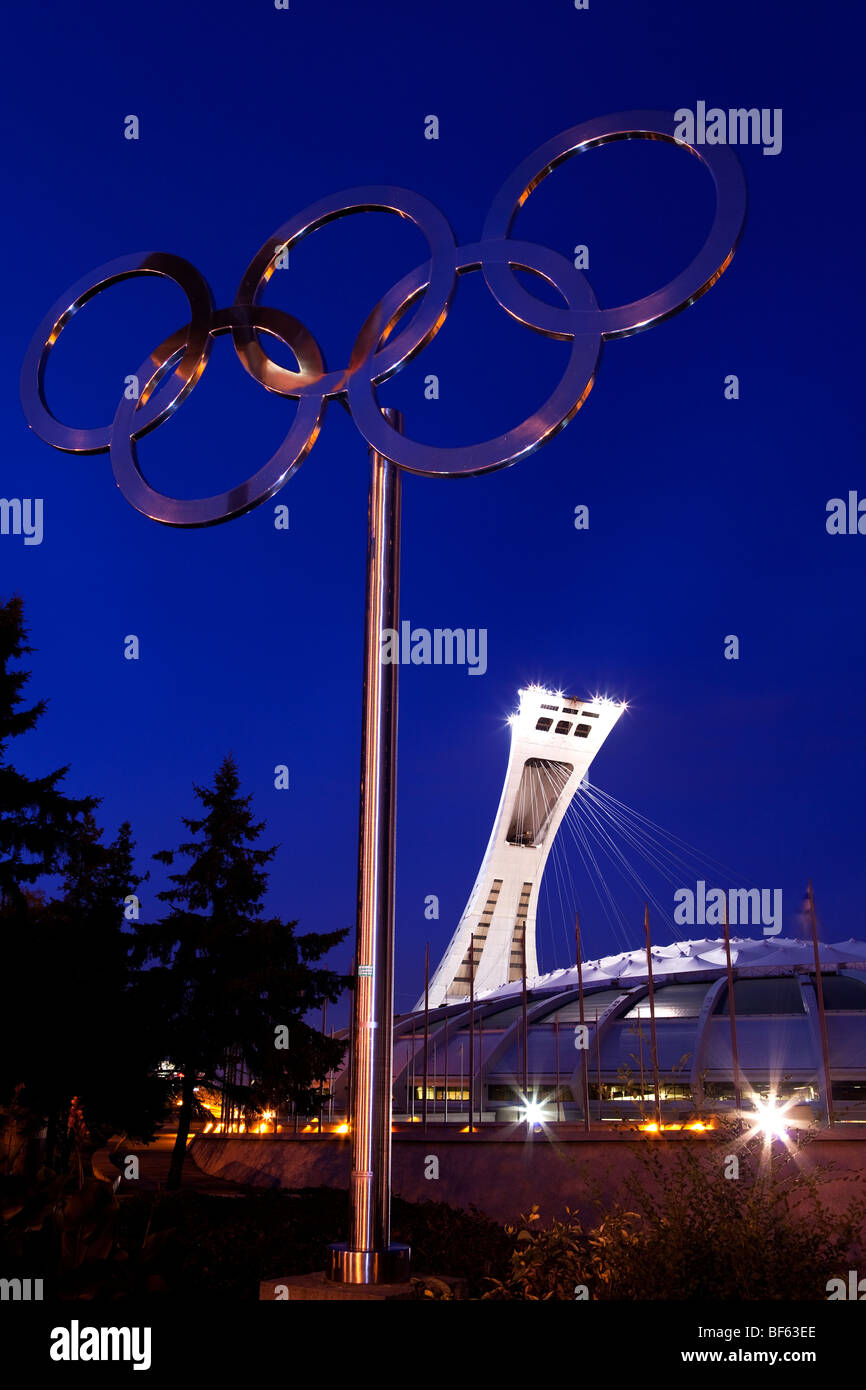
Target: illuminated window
(593,1005)
(850,1090)
(540,1094)
(719,1090)
(673,1001)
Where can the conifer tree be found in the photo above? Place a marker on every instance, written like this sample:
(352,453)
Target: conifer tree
(68,1028)
(97,1046)
(223,976)
(37,821)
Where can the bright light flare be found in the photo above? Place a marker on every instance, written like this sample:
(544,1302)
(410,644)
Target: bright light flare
(534,1113)
(771,1121)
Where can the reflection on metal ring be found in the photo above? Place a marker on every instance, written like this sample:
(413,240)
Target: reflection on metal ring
(385,343)
(188,370)
(207,511)
(569,395)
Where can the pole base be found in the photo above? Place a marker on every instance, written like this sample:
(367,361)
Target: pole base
(388,1266)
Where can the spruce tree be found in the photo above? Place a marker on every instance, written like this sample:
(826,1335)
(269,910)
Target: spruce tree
(37,821)
(98,1047)
(69,1025)
(223,976)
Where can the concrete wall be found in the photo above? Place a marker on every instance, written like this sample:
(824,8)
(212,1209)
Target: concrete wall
(502,1177)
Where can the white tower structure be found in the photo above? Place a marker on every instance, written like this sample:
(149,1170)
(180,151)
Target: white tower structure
(554,738)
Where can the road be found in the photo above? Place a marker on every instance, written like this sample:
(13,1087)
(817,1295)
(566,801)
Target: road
(153,1165)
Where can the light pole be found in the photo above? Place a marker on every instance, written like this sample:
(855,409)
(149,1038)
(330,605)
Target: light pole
(368,1257)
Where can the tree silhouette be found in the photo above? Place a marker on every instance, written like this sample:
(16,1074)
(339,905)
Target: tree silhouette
(38,823)
(73,1033)
(224,977)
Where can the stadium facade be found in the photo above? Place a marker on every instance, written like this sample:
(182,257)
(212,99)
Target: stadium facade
(509,1044)
(536,1069)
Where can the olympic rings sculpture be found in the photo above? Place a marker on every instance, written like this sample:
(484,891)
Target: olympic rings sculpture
(383,346)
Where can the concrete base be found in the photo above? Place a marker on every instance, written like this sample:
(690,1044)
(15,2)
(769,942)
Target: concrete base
(500,1174)
(316,1287)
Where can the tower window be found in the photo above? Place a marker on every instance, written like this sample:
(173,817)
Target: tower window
(563,726)
(544,724)
(583,731)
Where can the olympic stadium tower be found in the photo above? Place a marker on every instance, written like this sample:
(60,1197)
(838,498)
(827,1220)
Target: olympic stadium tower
(504,1052)
(554,739)
(497,1050)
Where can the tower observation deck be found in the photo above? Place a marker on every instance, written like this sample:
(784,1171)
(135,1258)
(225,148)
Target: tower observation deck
(554,738)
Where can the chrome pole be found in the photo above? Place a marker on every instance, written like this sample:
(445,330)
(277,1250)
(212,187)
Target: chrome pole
(369,1257)
(525,1031)
(652,1004)
(822,1016)
(471,1028)
(584,1055)
(427,1031)
(732,1014)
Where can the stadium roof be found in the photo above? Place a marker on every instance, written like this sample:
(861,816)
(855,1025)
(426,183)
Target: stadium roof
(693,957)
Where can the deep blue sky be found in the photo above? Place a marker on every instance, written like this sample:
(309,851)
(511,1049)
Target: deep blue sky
(706,516)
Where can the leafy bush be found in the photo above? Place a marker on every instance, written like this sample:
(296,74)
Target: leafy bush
(682,1230)
(685,1231)
(85,1243)
(447,1240)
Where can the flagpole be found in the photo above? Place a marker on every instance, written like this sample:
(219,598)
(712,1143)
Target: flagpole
(368,1257)
(822,1016)
(584,1039)
(652,1004)
(732,1014)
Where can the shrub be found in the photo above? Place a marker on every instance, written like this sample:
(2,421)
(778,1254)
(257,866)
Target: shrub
(685,1231)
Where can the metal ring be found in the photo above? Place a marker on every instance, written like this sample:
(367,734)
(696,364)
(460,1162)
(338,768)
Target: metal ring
(189,368)
(713,258)
(384,344)
(565,401)
(207,511)
(402,201)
